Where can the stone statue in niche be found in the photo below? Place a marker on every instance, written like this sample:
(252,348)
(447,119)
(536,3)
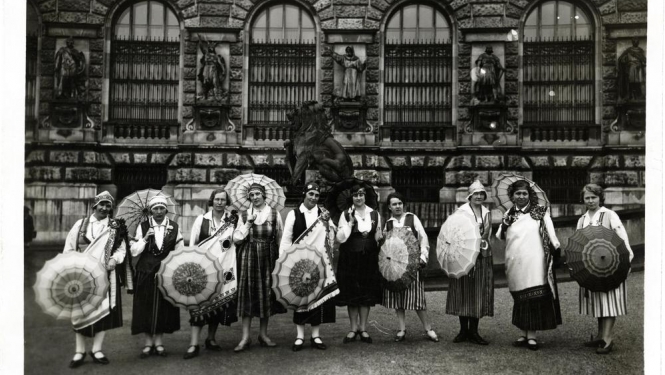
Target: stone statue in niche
(486,76)
(353,68)
(212,72)
(312,144)
(632,73)
(70,68)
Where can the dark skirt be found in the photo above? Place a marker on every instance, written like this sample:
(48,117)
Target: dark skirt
(473,296)
(256,260)
(320,315)
(535,309)
(224,315)
(110,321)
(151,312)
(358,278)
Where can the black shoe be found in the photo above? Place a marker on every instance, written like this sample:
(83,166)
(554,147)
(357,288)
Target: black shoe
(461,337)
(348,339)
(298,347)
(161,353)
(190,355)
(531,346)
(242,346)
(605,349)
(78,362)
(267,343)
(521,342)
(476,339)
(316,345)
(212,345)
(101,361)
(594,343)
(144,354)
(401,337)
(366,339)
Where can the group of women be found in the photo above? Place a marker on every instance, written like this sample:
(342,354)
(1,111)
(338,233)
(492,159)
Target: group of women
(532,249)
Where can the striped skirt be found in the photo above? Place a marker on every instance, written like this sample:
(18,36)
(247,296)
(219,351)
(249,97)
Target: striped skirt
(601,305)
(473,296)
(413,298)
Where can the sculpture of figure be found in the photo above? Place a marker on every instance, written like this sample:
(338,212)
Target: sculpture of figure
(489,78)
(312,144)
(632,73)
(212,71)
(353,68)
(69,72)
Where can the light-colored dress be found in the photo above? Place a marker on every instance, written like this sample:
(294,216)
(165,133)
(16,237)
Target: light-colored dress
(613,302)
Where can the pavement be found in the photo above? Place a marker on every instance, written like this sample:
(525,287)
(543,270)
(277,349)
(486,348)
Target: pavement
(49,343)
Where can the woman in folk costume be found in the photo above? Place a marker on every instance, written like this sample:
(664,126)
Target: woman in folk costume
(257,234)
(531,246)
(413,298)
(605,306)
(152,315)
(219,311)
(472,296)
(311,225)
(104,239)
(358,275)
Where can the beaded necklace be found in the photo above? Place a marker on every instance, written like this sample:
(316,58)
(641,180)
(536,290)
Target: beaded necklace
(159,251)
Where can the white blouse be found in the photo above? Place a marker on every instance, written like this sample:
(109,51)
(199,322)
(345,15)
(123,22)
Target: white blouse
(364,225)
(422,235)
(160,231)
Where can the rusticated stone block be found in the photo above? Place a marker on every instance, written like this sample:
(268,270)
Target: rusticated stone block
(189,86)
(609,85)
(235,160)
(326,63)
(609,112)
(326,49)
(456,4)
(187,175)
(72,17)
(372,49)
(372,75)
(464,74)
(81,174)
(372,88)
(417,161)
(513,11)
(74,5)
(238,13)
(372,101)
(95,110)
(329,25)
(120,158)
(159,158)
(580,161)
(213,21)
(94,96)
(189,73)
(608,8)
(634,161)
(244,4)
(634,17)
(236,49)
(350,23)
(236,87)
(513,113)
(222,176)
(236,100)
(374,14)
(609,72)
(464,49)
(520,3)
(487,10)
(399,161)
(104,174)
(372,63)
(95,71)
(190,61)
(350,2)
(191,48)
(559,161)
(65,157)
(326,14)
(368,175)
(50,17)
(465,87)
(622,178)
(516,162)
(540,161)
(181,159)
(235,113)
(189,98)
(43,173)
(466,178)
(185,3)
(511,22)
(217,10)
(37,156)
(214,160)
(349,11)
(488,21)
(597,178)
(372,114)
(356,160)
(436,161)
(459,162)
(512,100)
(236,74)
(327,75)
(235,24)
(512,48)
(236,61)
(610,18)
(632,5)
(47,6)
(511,87)
(489,162)
(140,158)
(93,83)
(46,95)
(511,61)
(463,114)
(609,45)
(381,5)
(609,97)
(96,45)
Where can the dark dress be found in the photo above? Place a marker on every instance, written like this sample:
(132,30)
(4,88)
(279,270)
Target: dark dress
(151,312)
(324,313)
(212,314)
(357,272)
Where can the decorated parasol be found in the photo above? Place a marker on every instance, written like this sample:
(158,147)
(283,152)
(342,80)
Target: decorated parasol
(500,194)
(298,276)
(189,277)
(134,208)
(71,285)
(597,258)
(458,244)
(238,191)
(399,259)
(339,198)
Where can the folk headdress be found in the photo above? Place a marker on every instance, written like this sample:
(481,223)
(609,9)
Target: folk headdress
(475,187)
(258,187)
(312,186)
(157,200)
(104,196)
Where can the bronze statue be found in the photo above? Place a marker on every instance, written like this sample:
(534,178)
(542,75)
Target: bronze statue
(632,73)
(212,71)
(70,69)
(353,68)
(489,72)
(312,144)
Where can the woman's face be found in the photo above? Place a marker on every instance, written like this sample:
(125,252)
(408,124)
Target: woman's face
(158,213)
(219,202)
(396,206)
(591,200)
(311,199)
(102,210)
(256,197)
(521,198)
(358,199)
(477,198)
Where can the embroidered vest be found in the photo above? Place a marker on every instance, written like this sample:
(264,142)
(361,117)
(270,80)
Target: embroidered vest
(205,230)
(358,243)
(147,260)
(408,222)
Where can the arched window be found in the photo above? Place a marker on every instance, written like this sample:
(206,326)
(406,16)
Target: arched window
(282,64)
(145,71)
(417,74)
(558,72)
(31,63)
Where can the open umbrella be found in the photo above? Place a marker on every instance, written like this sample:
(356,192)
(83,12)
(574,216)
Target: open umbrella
(298,276)
(134,208)
(399,259)
(339,197)
(500,194)
(189,277)
(458,244)
(71,285)
(238,191)
(597,258)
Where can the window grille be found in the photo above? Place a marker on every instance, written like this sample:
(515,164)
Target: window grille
(280,174)
(31,61)
(417,74)
(562,186)
(130,178)
(418,184)
(559,68)
(145,71)
(282,64)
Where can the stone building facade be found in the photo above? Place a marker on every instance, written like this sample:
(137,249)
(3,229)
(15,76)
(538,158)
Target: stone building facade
(140,118)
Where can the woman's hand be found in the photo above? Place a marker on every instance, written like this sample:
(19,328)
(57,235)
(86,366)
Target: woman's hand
(110,266)
(251,218)
(150,233)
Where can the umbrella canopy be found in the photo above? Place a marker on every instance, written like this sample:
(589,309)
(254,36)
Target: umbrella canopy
(134,208)
(71,285)
(399,259)
(458,244)
(298,276)
(597,258)
(339,197)
(500,194)
(189,277)
(238,191)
